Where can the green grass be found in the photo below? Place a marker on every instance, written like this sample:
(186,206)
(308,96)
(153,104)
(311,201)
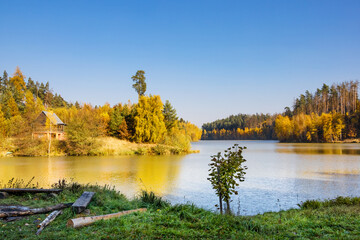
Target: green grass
(332,219)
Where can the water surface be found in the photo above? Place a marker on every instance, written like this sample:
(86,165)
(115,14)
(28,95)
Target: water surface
(279,176)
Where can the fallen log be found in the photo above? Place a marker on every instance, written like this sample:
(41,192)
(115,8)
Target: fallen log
(29,190)
(12,219)
(84,221)
(34,210)
(48,220)
(13,208)
(82,202)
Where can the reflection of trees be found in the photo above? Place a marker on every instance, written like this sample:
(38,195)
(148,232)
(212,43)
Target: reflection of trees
(157,173)
(322,161)
(25,168)
(317,149)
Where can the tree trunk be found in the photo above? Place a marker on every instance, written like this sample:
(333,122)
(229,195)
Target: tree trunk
(228,210)
(84,221)
(220,195)
(13,208)
(4,214)
(48,220)
(29,190)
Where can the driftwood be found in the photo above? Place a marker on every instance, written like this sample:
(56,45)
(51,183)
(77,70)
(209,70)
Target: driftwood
(4,214)
(82,202)
(30,190)
(48,220)
(84,221)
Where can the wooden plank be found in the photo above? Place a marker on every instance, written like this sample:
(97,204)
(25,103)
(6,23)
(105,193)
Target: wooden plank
(4,214)
(84,221)
(48,220)
(82,202)
(30,190)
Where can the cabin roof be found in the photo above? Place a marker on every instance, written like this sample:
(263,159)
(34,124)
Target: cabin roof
(54,118)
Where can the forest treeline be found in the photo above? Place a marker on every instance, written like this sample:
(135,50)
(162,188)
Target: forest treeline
(149,121)
(241,127)
(329,114)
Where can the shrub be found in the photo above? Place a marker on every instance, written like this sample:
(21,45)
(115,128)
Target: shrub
(149,199)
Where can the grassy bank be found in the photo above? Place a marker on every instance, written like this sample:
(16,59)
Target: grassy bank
(115,147)
(335,219)
(102,146)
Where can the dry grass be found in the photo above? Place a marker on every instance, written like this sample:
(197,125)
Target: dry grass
(6,145)
(116,147)
(107,146)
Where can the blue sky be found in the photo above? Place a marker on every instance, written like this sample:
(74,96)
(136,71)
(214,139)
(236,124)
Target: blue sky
(209,58)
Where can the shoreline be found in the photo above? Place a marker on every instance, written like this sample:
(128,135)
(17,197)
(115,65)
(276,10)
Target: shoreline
(330,219)
(108,146)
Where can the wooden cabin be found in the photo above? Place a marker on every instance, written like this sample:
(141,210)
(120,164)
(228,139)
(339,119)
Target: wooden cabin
(48,125)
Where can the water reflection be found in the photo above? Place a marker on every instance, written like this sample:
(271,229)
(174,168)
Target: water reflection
(128,174)
(326,148)
(278,176)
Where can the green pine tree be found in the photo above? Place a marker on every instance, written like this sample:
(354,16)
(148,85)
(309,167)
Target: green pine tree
(170,116)
(140,84)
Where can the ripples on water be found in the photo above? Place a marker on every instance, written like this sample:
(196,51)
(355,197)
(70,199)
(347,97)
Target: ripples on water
(279,176)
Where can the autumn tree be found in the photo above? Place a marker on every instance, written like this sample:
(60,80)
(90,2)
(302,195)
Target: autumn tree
(82,131)
(339,126)
(283,128)
(15,126)
(139,82)
(129,112)
(191,130)
(13,107)
(117,125)
(104,113)
(149,120)
(18,86)
(122,130)
(32,107)
(2,124)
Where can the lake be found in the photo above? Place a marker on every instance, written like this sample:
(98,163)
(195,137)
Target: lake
(279,175)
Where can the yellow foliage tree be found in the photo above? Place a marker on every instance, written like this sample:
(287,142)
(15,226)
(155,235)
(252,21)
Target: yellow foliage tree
(191,130)
(327,127)
(15,126)
(2,124)
(283,128)
(14,109)
(149,120)
(301,126)
(32,107)
(339,125)
(17,82)
(312,132)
